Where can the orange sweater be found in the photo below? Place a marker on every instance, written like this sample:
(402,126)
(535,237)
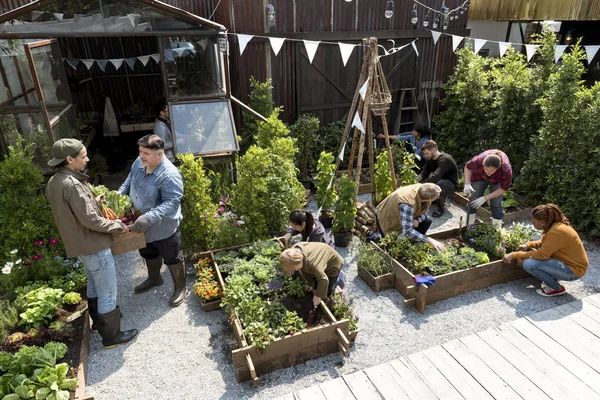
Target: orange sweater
(562,243)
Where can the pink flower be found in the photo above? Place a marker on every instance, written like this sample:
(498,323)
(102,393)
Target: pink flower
(53,241)
(223,200)
(39,243)
(235,224)
(205,217)
(221,209)
(26,264)
(37,257)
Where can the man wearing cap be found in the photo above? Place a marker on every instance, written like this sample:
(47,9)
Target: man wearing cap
(156,188)
(86,235)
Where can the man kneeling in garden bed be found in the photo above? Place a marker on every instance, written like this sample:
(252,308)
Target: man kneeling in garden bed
(405,211)
(319,264)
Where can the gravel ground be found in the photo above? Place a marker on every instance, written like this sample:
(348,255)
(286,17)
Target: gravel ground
(185,353)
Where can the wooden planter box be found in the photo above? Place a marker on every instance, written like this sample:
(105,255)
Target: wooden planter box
(378,283)
(126,242)
(83,361)
(509,217)
(453,283)
(213,305)
(316,342)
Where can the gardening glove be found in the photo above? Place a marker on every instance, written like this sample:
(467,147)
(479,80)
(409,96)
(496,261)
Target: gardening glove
(468,189)
(478,202)
(425,280)
(141,224)
(436,245)
(316,301)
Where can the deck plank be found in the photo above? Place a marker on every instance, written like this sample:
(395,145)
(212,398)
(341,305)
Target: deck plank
(336,389)
(311,393)
(567,359)
(432,376)
(551,364)
(505,370)
(583,320)
(387,381)
(590,309)
(480,371)
(360,386)
(415,387)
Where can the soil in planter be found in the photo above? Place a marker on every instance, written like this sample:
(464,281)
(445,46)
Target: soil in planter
(303,306)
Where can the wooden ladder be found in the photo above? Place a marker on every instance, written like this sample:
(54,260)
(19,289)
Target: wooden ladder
(406,93)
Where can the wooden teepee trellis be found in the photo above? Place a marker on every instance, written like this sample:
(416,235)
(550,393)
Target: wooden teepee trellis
(376,101)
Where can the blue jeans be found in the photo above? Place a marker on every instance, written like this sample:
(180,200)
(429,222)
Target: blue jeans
(549,271)
(102,279)
(495,203)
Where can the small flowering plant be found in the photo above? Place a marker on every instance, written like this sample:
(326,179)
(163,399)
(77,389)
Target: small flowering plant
(207,287)
(231,227)
(341,307)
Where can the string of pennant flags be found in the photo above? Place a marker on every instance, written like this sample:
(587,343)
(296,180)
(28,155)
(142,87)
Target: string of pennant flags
(116,62)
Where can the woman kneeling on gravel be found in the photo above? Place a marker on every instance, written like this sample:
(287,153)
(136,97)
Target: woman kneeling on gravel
(319,264)
(559,255)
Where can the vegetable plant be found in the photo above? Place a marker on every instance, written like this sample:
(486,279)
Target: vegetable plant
(499,241)
(371,260)
(341,307)
(305,130)
(72,298)
(326,195)
(40,306)
(345,207)
(383,180)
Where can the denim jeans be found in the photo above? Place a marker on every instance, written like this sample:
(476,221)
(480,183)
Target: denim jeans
(495,203)
(102,279)
(549,271)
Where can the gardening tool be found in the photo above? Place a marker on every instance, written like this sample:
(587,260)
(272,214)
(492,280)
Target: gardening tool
(468,212)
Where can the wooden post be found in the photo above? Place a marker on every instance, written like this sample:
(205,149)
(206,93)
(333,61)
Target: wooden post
(372,159)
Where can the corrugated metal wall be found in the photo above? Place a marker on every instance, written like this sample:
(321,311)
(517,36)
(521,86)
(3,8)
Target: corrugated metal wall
(535,10)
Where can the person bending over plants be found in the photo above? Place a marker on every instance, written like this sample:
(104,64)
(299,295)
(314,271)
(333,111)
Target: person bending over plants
(405,211)
(303,222)
(558,255)
(318,263)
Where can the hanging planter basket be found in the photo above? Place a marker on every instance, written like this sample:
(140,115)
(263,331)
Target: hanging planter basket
(381,98)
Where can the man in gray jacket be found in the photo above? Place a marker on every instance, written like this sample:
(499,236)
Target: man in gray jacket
(162,128)
(86,234)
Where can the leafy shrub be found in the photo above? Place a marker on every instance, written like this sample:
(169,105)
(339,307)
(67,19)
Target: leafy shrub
(198,226)
(383,179)
(40,306)
(405,165)
(326,195)
(371,260)
(305,132)
(261,101)
(341,308)
(345,207)
(499,241)
(329,140)
(9,319)
(72,298)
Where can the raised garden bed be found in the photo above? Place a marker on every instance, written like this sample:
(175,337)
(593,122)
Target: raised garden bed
(329,336)
(377,283)
(375,269)
(513,214)
(453,283)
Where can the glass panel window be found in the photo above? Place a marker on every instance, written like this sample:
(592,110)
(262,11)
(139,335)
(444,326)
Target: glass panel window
(65,127)
(193,66)
(50,74)
(205,127)
(15,81)
(31,127)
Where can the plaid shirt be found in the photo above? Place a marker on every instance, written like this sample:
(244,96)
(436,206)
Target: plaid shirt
(503,175)
(406,219)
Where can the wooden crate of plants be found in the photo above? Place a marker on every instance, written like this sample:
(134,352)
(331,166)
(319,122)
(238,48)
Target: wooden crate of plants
(252,360)
(374,268)
(516,207)
(207,286)
(452,283)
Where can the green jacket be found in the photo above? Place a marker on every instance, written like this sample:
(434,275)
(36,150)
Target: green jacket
(80,221)
(321,262)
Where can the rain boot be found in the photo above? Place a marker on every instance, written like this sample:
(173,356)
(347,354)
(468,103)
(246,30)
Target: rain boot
(109,326)
(471,219)
(93,310)
(178,274)
(497,223)
(154,277)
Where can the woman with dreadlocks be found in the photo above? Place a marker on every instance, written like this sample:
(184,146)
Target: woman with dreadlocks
(559,255)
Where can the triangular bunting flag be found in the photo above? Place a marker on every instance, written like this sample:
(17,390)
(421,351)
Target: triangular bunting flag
(503,46)
(117,62)
(456,41)
(358,123)
(560,49)
(156,56)
(244,39)
(330,182)
(346,50)
(102,64)
(131,62)
(134,19)
(530,50)
(591,52)
(276,44)
(73,62)
(319,212)
(203,43)
(88,62)
(36,14)
(414,45)
(479,44)
(363,89)
(311,49)
(435,35)
(58,16)
(341,156)
(144,60)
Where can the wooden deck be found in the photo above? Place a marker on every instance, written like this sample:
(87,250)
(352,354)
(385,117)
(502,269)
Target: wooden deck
(554,354)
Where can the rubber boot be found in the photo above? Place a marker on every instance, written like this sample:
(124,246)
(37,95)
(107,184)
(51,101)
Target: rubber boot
(471,219)
(497,223)
(109,326)
(154,277)
(178,274)
(93,310)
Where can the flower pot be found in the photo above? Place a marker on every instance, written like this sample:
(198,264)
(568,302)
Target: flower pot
(307,183)
(342,239)
(326,221)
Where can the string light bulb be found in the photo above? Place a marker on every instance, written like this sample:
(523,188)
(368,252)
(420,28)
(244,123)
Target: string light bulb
(445,13)
(426,19)
(436,22)
(389,9)
(414,17)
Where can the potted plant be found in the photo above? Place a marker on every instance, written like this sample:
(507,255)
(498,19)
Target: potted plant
(325,190)
(344,212)
(305,131)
